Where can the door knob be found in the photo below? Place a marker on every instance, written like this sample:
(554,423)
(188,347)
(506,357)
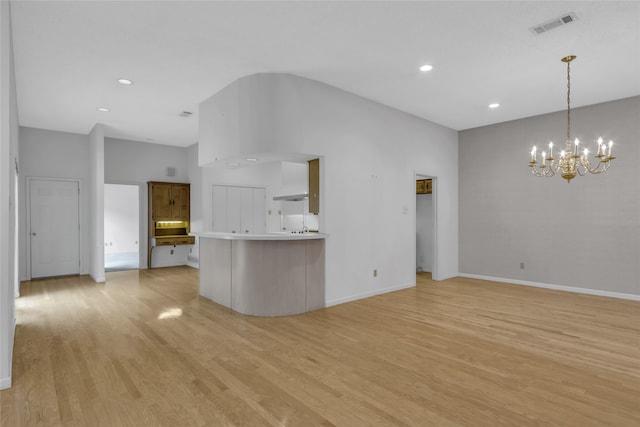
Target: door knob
(33,233)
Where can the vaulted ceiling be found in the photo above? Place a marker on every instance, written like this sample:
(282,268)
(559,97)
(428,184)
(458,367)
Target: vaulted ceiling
(70,54)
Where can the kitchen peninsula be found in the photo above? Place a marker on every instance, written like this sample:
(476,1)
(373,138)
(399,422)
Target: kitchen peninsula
(274,274)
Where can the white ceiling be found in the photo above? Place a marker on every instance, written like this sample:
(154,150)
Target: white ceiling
(69,54)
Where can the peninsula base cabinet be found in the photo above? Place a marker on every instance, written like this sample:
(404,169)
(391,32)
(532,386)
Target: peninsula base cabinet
(262,276)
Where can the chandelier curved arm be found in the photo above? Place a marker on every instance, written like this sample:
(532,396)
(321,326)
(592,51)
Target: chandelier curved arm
(542,171)
(603,165)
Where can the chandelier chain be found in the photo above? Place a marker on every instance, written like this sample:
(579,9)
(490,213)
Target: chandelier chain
(568,100)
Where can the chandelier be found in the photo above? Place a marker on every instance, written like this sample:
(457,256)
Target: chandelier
(571,162)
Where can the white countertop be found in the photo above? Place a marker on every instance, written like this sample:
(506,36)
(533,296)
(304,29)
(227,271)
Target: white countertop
(267,236)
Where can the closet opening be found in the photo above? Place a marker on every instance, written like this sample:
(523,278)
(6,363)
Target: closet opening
(426,225)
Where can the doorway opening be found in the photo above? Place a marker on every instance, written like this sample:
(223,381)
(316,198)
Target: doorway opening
(426,231)
(121,227)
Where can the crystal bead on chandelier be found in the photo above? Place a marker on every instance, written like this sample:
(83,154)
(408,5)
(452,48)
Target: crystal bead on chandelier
(571,162)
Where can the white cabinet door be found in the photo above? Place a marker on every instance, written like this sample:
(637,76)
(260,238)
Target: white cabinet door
(246,209)
(219,209)
(234,206)
(259,207)
(239,209)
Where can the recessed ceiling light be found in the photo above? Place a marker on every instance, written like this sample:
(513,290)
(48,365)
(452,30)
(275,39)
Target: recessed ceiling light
(494,105)
(233,164)
(103,109)
(251,159)
(426,67)
(125,82)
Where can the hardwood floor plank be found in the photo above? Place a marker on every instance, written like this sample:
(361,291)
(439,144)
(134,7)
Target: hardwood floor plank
(143,349)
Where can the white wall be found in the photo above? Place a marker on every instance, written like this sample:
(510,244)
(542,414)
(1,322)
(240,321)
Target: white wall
(424,232)
(369,156)
(8,158)
(96,204)
(133,162)
(584,234)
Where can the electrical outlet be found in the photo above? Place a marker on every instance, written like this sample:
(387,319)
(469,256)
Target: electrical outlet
(375,273)
(521,265)
(171,251)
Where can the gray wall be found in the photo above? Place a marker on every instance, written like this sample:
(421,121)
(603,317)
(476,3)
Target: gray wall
(53,154)
(585,234)
(127,162)
(133,162)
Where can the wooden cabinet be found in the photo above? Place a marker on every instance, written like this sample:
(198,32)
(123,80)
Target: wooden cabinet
(169,201)
(169,215)
(423,186)
(314,186)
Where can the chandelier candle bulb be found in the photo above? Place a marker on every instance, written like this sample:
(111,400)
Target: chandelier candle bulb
(577,143)
(610,145)
(551,150)
(533,154)
(599,147)
(544,159)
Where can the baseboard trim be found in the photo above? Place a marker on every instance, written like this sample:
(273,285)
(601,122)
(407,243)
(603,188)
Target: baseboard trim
(356,297)
(5,383)
(195,265)
(596,292)
(446,276)
(98,279)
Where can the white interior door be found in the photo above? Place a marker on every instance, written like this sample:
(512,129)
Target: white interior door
(54,228)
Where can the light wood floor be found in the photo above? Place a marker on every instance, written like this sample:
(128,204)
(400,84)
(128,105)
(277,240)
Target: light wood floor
(144,349)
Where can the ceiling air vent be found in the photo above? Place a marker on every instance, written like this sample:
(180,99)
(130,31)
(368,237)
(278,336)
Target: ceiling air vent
(185,114)
(171,171)
(554,23)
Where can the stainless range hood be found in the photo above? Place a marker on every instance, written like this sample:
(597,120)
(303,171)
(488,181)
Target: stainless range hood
(292,197)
